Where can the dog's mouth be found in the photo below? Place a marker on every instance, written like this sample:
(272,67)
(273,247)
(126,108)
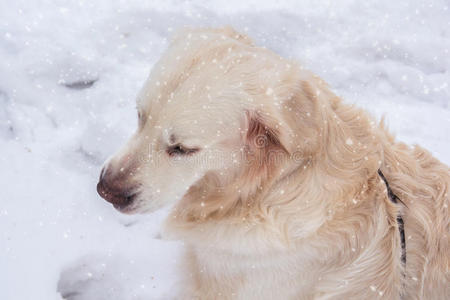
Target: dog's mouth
(129,205)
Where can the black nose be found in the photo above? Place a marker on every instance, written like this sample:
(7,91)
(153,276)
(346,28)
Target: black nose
(114,189)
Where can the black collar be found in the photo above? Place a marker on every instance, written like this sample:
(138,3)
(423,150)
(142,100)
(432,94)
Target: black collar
(393,197)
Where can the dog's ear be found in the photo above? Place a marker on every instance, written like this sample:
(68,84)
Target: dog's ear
(263,147)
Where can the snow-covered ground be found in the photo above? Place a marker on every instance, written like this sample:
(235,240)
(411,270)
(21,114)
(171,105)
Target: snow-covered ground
(69,73)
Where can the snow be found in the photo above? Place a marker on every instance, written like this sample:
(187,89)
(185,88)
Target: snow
(69,73)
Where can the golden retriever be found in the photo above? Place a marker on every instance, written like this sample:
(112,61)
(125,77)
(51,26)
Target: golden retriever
(279,189)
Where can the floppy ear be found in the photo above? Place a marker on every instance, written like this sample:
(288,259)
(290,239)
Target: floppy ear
(264,150)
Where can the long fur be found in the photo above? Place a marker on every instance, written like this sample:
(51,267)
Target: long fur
(328,231)
(305,215)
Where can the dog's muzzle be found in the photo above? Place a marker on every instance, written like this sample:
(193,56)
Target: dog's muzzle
(115,190)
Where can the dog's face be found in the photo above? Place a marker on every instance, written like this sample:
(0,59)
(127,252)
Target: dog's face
(208,115)
(177,142)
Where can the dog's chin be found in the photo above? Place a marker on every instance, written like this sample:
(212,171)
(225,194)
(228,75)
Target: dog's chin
(145,205)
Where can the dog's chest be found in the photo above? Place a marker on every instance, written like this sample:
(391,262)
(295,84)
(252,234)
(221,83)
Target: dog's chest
(274,275)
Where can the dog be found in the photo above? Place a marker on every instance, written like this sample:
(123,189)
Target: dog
(279,189)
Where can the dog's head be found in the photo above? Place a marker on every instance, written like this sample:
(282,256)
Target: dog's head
(217,114)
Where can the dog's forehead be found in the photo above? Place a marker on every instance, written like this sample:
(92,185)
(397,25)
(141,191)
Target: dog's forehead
(192,71)
(203,84)
(196,117)
(200,120)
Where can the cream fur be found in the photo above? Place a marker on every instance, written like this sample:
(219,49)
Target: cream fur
(316,223)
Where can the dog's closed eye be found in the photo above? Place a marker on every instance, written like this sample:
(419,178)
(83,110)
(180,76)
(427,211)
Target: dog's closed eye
(178,150)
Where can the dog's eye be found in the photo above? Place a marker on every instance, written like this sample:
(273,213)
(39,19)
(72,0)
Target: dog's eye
(179,149)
